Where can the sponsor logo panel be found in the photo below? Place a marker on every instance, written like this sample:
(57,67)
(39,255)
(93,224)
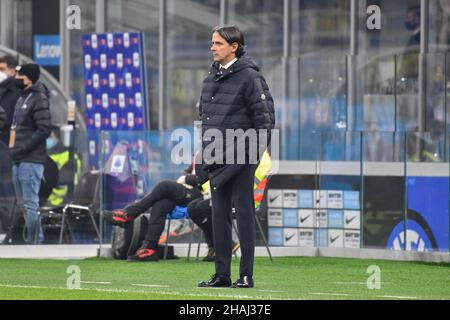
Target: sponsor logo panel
(290,237)
(275,198)
(275,217)
(290,198)
(306,218)
(306,237)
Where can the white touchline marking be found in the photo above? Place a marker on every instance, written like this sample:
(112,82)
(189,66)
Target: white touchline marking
(96,282)
(270,291)
(330,294)
(397,297)
(363,283)
(174,293)
(149,285)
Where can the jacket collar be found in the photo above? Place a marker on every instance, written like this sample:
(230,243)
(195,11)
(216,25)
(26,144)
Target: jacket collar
(222,72)
(228,64)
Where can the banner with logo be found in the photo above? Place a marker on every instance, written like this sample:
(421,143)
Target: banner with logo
(427,224)
(115,83)
(47,50)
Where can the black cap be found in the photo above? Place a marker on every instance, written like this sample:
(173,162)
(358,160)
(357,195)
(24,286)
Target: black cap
(31,70)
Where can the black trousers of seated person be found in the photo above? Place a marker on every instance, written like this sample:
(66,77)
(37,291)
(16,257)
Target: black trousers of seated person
(164,197)
(238,193)
(200,212)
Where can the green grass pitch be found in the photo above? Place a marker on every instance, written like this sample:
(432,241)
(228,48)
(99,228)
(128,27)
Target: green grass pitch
(284,278)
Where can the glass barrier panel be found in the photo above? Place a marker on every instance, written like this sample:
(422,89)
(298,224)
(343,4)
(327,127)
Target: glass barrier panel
(133,166)
(447,92)
(374,105)
(64,171)
(337,212)
(383,181)
(287,110)
(408,114)
(322,92)
(435,106)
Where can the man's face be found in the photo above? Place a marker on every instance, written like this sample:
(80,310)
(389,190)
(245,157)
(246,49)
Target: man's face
(10,72)
(222,51)
(412,20)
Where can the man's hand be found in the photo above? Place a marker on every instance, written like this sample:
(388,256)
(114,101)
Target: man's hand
(15,153)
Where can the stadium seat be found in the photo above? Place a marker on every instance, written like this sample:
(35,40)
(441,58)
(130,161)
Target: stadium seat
(85,204)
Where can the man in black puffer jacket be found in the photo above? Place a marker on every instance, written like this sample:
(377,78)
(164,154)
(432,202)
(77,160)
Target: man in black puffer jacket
(30,128)
(234,96)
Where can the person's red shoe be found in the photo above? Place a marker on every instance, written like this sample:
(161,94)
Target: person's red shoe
(144,253)
(117,217)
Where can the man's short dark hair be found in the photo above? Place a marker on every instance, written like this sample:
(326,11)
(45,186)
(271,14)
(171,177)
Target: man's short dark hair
(232,34)
(10,61)
(414,10)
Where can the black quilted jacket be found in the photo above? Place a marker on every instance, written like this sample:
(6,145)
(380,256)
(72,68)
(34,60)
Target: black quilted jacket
(33,125)
(234,98)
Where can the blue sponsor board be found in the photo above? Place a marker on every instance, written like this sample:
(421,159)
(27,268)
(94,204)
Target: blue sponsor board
(416,238)
(335,219)
(115,83)
(305,199)
(427,224)
(47,50)
(351,200)
(290,218)
(321,237)
(275,236)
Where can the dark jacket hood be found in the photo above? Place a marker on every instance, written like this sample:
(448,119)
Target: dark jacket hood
(39,87)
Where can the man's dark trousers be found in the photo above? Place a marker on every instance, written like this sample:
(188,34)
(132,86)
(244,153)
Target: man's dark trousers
(162,199)
(239,191)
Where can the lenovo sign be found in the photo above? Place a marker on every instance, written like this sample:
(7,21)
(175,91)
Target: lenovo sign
(47,50)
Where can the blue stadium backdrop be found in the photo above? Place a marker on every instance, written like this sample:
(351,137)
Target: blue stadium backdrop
(115,85)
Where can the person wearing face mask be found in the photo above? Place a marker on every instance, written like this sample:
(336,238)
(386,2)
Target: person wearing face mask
(8,94)
(30,128)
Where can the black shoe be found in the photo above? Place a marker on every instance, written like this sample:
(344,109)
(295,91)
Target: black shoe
(216,280)
(211,256)
(243,282)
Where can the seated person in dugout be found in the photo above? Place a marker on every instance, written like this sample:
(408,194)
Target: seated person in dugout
(162,200)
